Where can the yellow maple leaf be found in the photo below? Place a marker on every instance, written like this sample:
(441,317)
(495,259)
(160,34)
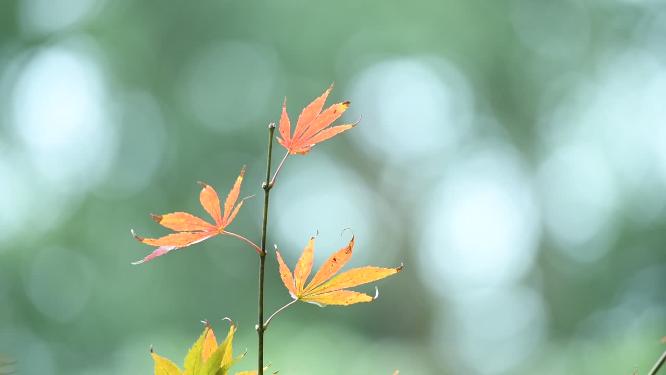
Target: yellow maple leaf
(325,288)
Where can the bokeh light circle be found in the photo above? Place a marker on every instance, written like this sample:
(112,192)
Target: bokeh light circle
(59,116)
(482,224)
(411,108)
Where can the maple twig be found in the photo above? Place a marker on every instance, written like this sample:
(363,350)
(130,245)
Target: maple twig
(244,239)
(657,366)
(262,255)
(268,321)
(279,167)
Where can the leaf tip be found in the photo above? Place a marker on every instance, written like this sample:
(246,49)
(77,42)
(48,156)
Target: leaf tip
(246,198)
(156,253)
(346,104)
(347,229)
(156,218)
(231,322)
(136,236)
(271,126)
(353,124)
(376,294)
(400,267)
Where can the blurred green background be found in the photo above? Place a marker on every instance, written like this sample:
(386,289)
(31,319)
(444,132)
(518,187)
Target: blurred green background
(511,153)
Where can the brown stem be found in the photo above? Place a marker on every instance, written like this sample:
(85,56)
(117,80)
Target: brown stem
(262,255)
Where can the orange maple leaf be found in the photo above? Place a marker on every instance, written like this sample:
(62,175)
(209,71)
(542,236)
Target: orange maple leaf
(325,288)
(313,125)
(190,229)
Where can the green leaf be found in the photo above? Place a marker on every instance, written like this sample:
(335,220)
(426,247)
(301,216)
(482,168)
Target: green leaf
(212,365)
(205,357)
(226,349)
(194,360)
(164,366)
(227,344)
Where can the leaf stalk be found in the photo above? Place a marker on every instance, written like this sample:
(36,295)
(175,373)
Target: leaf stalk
(244,239)
(279,168)
(268,321)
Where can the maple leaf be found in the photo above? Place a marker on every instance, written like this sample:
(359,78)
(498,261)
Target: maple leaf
(325,288)
(313,125)
(205,357)
(190,229)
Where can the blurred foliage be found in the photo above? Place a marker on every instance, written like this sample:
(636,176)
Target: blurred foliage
(511,154)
